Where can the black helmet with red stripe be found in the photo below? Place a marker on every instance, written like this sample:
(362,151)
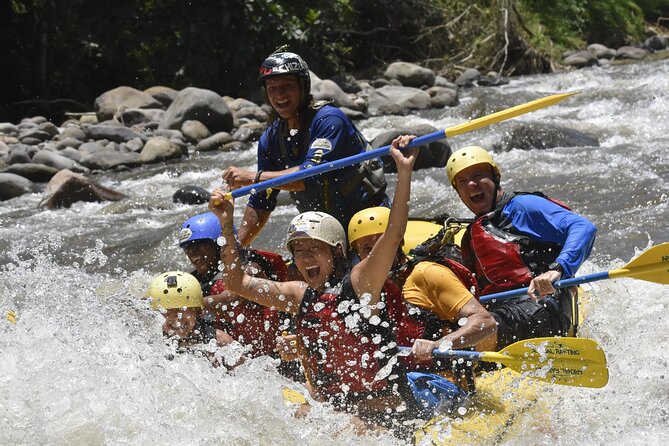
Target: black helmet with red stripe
(283,63)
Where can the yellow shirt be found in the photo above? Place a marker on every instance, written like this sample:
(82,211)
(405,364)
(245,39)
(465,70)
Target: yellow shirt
(436,288)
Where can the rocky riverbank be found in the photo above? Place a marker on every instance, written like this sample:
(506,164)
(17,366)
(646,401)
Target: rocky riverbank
(130,128)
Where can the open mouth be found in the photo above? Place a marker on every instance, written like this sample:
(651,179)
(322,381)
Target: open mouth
(313,271)
(477,197)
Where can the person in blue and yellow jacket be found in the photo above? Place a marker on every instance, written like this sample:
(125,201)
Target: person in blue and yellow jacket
(519,239)
(302,134)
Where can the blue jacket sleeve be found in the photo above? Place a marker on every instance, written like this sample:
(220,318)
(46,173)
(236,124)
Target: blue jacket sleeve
(545,221)
(332,137)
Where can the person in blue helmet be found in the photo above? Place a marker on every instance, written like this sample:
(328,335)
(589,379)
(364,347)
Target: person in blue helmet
(301,134)
(197,238)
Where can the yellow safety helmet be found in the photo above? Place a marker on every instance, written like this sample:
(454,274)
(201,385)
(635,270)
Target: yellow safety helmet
(175,289)
(366,222)
(467,157)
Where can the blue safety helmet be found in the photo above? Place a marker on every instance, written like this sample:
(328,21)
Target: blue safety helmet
(201,227)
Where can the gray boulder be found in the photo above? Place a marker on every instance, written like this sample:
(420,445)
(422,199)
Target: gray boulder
(528,136)
(114,101)
(159,149)
(327,90)
(134,116)
(194,131)
(107,158)
(191,195)
(19,153)
(396,100)
(631,52)
(602,52)
(441,97)
(71,131)
(9,129)
(164,95)
(198,104)
(580,59)
(58,161)
(410,75)
(38,173)
(215,142)
(116,133)
(12,185)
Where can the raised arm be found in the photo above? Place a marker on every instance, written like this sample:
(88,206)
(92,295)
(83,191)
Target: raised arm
(369,276)
(285,296)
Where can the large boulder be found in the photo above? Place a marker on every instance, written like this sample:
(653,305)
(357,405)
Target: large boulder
(528,136)
(107,158)
(67,187)
(410,75)
(434,155)
(113,101)
(201,105)
(160,148)
(191,195)
(165,95)
(397,100)
(327,90)
(57,161)
(38,173)
(215,142)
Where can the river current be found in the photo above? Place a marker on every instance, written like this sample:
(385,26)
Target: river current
(86,363)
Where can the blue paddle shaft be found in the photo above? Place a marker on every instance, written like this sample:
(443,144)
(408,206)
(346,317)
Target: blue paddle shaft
(559,284)
(453,354)
(332,165)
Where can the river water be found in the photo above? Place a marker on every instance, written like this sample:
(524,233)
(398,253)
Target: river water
(86,363)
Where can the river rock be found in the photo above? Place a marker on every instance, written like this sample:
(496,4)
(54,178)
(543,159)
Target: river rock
(58,161)
(164,95)
(113,132)
(347,82)
(215,142)
(67,142)
(580,59)
(71,153)
(158,149)
(397,100)
(602,52)
(199,104)
(410,75)
(114,101)
(327,90)
(434,155)
(9,129)
(38,173)
(19,154)
(468,78)
(194,131)
(191,195)
(631,52)
(441,97)
(108,158)
(12,185)
(134,116)
(528,136)
(49,127)
(655,43)
(72,131)
(67,187)
(29,136)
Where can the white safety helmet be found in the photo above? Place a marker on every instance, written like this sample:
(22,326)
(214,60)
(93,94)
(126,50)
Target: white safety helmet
(318,226)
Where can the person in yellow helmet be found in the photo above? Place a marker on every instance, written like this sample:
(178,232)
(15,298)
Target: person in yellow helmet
(519,239)
(438,309)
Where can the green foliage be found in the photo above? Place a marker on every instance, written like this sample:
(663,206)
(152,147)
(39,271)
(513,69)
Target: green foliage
(81,48)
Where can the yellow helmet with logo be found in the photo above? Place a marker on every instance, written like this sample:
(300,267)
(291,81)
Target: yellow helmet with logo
(175,289)
(370,221)
(467,157)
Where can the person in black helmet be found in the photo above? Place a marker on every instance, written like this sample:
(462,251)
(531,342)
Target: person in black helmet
(303,134)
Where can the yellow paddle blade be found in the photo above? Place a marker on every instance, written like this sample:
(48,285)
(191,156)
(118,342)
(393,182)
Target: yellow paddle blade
(507,114)
(291,397)
(652,265)
(568,361)
(11,316)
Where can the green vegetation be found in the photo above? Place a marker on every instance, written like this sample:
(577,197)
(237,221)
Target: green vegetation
(81,48)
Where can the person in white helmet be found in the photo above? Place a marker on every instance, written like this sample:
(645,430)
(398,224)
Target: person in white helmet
(340,319)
